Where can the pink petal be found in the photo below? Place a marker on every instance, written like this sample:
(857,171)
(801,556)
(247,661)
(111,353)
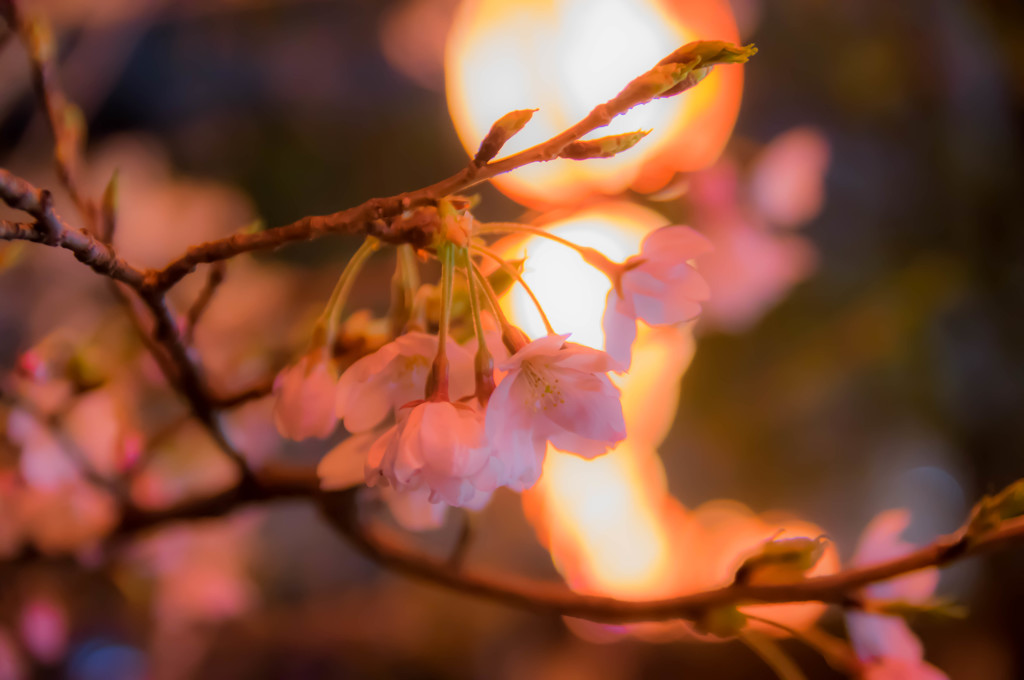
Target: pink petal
(619,334)
(592,410)
(880,542)
(344,466)
(546,346)
(413,510)
(675,241)
(876,636)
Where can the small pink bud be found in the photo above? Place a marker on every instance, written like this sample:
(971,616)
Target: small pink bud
(305,393)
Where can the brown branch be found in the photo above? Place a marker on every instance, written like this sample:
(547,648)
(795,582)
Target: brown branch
(390,549)
(68,138)
(174,359)
(272,482)
(257,391)
(51,230)
(374,217)
(202,301)
(341,511)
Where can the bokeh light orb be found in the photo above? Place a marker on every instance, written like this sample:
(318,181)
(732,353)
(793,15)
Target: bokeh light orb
(566,56)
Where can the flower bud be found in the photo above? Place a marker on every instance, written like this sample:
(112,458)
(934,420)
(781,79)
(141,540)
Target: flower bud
(110,197)
(484,366)
(502,130)
(602,147)
(304,397)
(782,561)
(711,52)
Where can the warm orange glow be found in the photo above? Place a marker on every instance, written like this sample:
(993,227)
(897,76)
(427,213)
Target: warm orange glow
(604,520)
(721,534)
(566,56)
(610,524)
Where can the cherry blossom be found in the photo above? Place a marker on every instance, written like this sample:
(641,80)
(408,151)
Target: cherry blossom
(73,517)
(304,393)
(12,666)
(43,624)
(900,669)
(395,375)
(884,643)
(787,179)
(44,464)
(657,286)
(344,467)
(553,391)
(440,445)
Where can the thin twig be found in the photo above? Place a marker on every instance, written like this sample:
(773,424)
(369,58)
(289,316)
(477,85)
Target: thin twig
(46,81)
(257,391)
(51,230)
(374,217)
(214,278)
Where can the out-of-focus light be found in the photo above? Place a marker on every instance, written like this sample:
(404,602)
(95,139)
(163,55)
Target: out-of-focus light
(565,57)
(101,659)
(604,520)
(610,524)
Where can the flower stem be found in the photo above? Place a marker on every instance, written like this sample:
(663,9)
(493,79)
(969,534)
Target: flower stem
(437,384)
(772,655)
(483,361)
(519,279)
(512,336)
(327,325)
(404,285)
(594,258)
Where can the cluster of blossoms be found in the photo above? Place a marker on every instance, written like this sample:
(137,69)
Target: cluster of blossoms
(439,422)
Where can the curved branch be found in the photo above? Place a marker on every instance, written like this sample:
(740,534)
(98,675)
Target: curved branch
(341,511)
(51,230)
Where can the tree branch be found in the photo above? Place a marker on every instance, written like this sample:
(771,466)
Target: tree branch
(341,511)
(51,230)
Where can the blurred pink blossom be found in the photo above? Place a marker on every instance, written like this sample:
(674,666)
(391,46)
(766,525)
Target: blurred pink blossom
(44,462)
(71,518)
(885,644)
(200,576)
(43,625)
(12,667)
(754,264)
(94,432)
(304,396)
(751,268)
(395,375)
(900,669)
(657,286)
(788,177)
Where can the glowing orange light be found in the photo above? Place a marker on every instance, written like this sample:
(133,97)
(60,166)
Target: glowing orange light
(610,524)
(604,520)
(566,56)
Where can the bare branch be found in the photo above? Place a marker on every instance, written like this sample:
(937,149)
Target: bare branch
(51,230)
(389,550)
(373,218)
(213,280)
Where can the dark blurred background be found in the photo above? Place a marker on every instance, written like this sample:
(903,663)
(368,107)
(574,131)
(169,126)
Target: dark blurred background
(892,376)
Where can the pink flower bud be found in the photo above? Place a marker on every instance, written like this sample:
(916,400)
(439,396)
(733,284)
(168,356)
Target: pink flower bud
(304,394)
